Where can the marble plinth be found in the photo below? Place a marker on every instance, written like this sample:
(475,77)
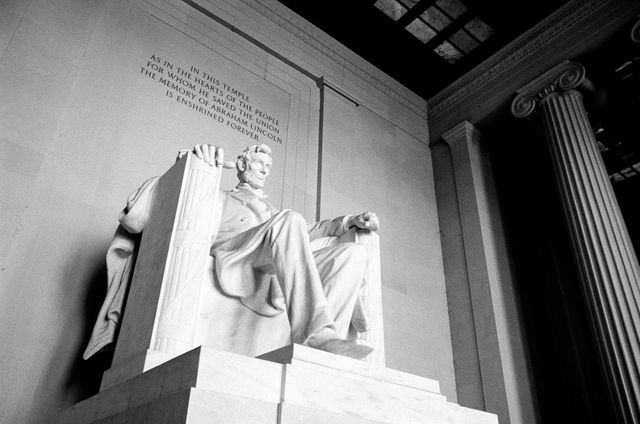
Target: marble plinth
(294,384)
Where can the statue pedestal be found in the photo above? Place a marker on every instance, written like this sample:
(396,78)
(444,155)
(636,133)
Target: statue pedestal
(295,384)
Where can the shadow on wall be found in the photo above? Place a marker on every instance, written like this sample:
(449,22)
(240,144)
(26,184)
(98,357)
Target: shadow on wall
(68,378)
(84,376)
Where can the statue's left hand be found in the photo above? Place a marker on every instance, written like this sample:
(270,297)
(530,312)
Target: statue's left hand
(366,221)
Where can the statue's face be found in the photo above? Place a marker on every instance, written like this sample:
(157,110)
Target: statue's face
(257,170)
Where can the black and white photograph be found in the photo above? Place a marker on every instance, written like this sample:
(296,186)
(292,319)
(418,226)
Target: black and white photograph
(319,212)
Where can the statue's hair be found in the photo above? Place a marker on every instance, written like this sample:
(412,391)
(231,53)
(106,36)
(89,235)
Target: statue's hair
(245,156)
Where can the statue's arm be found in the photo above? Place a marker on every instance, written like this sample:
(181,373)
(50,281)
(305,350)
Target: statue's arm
(364,221)
(338,226)
(329,227)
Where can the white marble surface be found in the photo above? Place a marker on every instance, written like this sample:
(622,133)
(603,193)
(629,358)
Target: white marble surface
(195,406)
(310,387)
(296,354)
(319,381)
(237,374)
(319,387)
(296,414)
(206,407)
(206,369)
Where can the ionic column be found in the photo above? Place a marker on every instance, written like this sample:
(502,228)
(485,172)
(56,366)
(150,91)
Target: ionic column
(606,261)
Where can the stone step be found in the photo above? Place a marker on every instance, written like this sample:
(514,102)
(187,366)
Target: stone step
(297,354)
(294,384)
(204,368)
(196,406)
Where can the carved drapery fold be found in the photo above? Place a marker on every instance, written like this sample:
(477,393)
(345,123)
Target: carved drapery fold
(606,260)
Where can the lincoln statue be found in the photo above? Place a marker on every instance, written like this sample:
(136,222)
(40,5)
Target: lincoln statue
(265,258)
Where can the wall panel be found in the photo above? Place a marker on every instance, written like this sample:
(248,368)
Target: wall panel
(371,164)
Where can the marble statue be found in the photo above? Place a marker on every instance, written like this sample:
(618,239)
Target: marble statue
(264,257)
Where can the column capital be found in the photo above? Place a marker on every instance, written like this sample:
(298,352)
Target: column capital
(565,76)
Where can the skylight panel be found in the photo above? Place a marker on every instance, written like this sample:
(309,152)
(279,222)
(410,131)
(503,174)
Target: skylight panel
(479,29)
(409,3)
(464,41)
(448,52)
(391,8)
(447,23)
(453,8)
(421,30)
(435,18)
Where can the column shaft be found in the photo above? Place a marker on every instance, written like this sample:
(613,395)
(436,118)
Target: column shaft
(605,257)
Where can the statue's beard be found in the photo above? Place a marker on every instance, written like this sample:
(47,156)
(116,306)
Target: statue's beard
(254,181)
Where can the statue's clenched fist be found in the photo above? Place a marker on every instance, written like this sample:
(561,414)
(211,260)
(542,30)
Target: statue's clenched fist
(365,221)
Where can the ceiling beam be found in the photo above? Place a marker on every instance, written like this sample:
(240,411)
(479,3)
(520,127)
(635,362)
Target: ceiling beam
(414,12)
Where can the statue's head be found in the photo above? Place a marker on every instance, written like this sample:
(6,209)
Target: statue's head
(254,165)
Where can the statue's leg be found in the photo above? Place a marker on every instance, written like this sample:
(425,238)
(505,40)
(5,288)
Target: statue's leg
(287,248)
(281,245)
(341,268)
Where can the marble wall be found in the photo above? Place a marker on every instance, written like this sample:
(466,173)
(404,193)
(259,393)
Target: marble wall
(364,169)
(86,115)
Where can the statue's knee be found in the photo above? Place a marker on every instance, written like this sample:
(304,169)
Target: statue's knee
(354,251)
(293,218)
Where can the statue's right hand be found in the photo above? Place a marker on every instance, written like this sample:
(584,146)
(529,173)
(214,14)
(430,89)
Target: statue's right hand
(208,153)
(212,155)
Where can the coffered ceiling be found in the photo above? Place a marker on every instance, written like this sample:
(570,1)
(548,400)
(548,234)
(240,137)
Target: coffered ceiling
(424,44)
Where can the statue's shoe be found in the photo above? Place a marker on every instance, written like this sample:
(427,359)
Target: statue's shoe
(352,348)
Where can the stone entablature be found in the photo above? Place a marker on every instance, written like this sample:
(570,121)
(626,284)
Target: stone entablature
(571,31)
